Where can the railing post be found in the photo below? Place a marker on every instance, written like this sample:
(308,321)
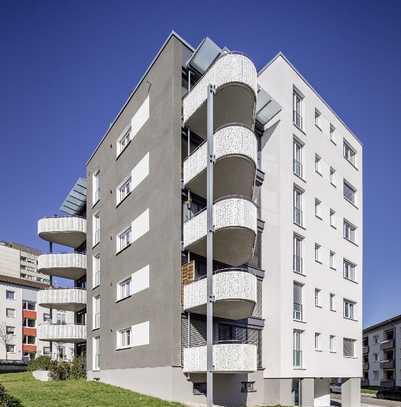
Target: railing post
(209,252)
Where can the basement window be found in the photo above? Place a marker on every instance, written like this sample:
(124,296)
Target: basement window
(199,389)
(247,387)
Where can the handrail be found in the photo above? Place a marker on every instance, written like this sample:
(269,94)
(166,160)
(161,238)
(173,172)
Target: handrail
(62,216)
(224,270)
(46,254)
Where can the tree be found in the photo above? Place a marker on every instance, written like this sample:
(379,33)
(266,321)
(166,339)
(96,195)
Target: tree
(5,337)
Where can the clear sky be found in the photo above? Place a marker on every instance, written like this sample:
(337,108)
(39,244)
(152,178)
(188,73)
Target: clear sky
(67,67)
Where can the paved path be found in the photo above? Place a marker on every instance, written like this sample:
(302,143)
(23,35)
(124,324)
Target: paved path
(368,402)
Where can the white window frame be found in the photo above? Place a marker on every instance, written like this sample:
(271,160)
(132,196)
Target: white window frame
(349,231)
(332,134)
(349,310)
(332,215)
(318,118)
(124,338)
(332,344)
(124,189)
(352,196)
(10,330)
(14,313)
(13,347)
(349,270)
(297,158)
(95,187)
(318,291)
(124,238)
(297,347)
(318,208)
(298,314)
(353,341)
(297,254)
(96,353)
(318,253)
(349,153)
(318,342)
(124,288)
(332,301)
(318,164)
(297,109)
(96,312)
(95,229)
(333,180)
(332,260)
(125,135)
(298,196)
(96,270)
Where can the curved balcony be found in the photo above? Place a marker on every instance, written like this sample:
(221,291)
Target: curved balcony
(66,299)
(62,333)
(235,79)
(235,150)
(65,230)
(234,290)
(227,358)
(66,265)
(235,225)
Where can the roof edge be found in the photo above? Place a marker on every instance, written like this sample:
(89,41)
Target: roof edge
(383,323)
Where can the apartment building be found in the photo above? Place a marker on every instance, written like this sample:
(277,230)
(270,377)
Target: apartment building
(287,284)
(20,261)
(20,316)
(381,353)
(66,327)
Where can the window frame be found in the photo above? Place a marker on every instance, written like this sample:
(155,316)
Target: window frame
(121,286)
(95,187)
(122,337)
(297,109)
(12,296)
(318,118)
(125,134)
(126,182)
(349,309)
(348,225)
(346,275)
(348,147)
(124,238)
(353,198)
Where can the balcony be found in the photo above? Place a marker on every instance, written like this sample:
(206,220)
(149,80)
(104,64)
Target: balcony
(62,333)
(235,226)
(365,366)
(235,79)
(66,265)
(65,230)
(234,291)
(387,344)
(66,299)
(235,149)
(387,364)
(365,349)
(227,358)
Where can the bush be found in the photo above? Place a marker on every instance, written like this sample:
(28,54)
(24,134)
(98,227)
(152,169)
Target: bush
(40,363)
(6,400)
(78,368)
(60,370)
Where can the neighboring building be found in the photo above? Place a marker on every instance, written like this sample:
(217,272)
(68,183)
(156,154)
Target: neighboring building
(381,353)
(287,236)
(20,261)
(20,316)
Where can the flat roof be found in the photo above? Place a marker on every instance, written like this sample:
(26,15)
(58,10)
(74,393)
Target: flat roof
(22,282)
(22,247)
(397,318)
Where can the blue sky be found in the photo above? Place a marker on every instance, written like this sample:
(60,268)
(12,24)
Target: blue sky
(67,67)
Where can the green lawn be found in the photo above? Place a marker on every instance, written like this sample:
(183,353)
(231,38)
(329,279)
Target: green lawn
(73,393)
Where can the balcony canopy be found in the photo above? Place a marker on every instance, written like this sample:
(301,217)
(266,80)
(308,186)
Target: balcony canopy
(75,202)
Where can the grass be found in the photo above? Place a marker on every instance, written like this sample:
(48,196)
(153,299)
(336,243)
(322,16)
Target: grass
(367,390)
(73,393)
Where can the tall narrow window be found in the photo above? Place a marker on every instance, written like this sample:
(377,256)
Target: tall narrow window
(332,260)
(333,176)
(96,312)
(318,250)
(95,187)
(332,134)
(333,218)
(297,117)
(349,231)
(124,289)
(318,116)
(125,238)
(349,153)
(349,309)
(96,228)
(297,349)
(332,343)
(298,215)
(124,338)
(318,164)
(349,192)
(297,158)
(123,140)
(317,298)
(317,341)
(124,189)
(332,302)
(96,270)
(96,353)
(297,250)
(318,208)
(297,309)
(349,270)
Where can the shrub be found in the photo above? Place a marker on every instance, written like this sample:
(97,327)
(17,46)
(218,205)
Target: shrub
(40,363)
(78,368)
(6,400)
(59,370)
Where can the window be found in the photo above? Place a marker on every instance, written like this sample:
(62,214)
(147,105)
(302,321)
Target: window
(96,228)
(10,312)
(96,312)
(297,260)
(349,153)
(29,323)
(124,338)
(95,187)
(332,134)
(333,177)
(318,253)
(349,347)
(318,164)
(349,309)
(376,357)
(96,353)
(298,216)
(297,349)
(349,192)
(318,210)
(200,389)
(96,270)
(10,330)
(317,341)
(333,218)
(10,295)
(297,308)
(124,289)
(375,375)
(297,159)
(60,318)
(317,298)
(332,260)
(29,305)
(124,238)
(29,340)
(247,387)
(376,339)
(10,348)
(332,343)
(349,231)
(332,302)
(46,351)
(124,190)
(46,317)
(318,116)
(349,270)
(124,140)
(297,116)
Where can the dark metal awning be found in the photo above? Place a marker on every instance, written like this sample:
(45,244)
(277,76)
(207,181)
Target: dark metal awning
(75,201)
(266,107)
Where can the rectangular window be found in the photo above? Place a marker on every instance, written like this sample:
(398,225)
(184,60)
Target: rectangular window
(333,218)
(332,302)
(297,158)
(317,298)
(10,330)
(298,215)
(349,231)
(349,270)
(297,250)
(46,351)
(96,228)
(318,164)
(317,341)
(332,134)
(332,260)
(96,353)
(124,338)
(46,317)
(297,117)
(199,389)
(247,387)
(333,177)
(332,344)
(318,250)
(10,312)
(124,190)
(96,312)
(10,295)
(10,348)
(349,309)
(96,270)
(29,305)
(349,153)
(297,308)
(349,347)
(123,140)
(60,318)
(29,323)
(297,349)
(318,208)
(349,192)
(95,187)
(29,340)
(375,357)
(318,116)
(124,238)
(124,289)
